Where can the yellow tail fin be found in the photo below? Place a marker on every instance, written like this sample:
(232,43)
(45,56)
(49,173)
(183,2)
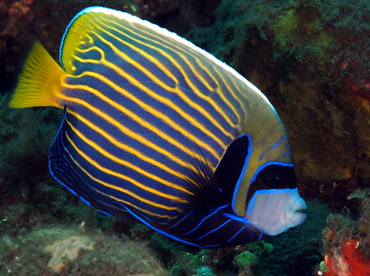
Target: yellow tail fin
(39,80)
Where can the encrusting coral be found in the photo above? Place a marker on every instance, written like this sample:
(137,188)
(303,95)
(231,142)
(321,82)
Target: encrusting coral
(74,251)
(347,241)
(69,249)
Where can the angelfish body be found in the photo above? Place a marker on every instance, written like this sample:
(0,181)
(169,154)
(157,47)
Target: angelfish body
(157,129)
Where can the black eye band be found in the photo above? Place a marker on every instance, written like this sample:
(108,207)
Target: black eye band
(277,177)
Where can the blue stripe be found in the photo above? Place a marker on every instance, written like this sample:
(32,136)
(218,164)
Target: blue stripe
(260,168)
(215,229)
(166,233)
(181,220)
(237,233)
(200,223)
(276,144)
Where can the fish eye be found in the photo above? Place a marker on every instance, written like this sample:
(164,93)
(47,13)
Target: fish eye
(276,176)
(272,177)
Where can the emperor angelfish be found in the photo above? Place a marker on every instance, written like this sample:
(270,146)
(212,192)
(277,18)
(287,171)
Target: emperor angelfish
(157,129)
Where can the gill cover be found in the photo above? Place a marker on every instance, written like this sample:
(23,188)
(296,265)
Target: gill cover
(274,204)
(272,201)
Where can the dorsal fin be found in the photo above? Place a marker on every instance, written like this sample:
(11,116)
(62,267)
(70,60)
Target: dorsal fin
(230,170)
(78,38)
(85,38)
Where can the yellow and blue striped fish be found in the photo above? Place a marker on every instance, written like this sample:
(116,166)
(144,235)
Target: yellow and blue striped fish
(157,129)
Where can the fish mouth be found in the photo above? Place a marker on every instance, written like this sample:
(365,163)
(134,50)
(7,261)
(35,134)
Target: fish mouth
(299,206)
(298,212)
(302,211)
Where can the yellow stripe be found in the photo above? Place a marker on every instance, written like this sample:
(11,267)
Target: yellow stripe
(133,167)
(131,134)
(126,178)
(138,153)
(179,67)
(155,113)
(131,150)
(139,208)
(171,89)
(126,131)
(230,84)
(163,100)
(217,79)
(123,191)
(197,55)
(150,57)
(123,129)
(150,110)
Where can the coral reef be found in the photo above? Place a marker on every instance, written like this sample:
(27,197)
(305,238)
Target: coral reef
(347,241)
(59,250)
(349,262)
(67,250)
(27,189)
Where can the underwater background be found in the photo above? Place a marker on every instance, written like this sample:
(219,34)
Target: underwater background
(310,58)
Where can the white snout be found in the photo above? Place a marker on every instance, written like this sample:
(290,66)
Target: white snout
(274,211)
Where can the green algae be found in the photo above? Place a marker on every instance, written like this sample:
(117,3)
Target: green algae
(283,29)
(204,271)
(246,258)
(300,245)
